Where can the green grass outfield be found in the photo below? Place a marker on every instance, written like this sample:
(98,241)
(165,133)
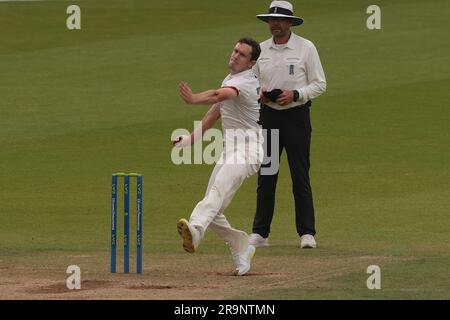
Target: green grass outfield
(76,106)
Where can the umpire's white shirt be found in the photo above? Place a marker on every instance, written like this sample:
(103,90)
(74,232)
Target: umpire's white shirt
(294,65)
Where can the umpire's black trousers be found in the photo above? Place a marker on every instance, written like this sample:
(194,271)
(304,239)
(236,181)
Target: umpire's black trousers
(295,136)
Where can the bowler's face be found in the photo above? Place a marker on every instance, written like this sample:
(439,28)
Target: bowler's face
(280,27)
(241,58)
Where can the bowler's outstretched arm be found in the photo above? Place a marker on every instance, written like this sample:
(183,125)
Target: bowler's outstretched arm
(206,97)
(208,121)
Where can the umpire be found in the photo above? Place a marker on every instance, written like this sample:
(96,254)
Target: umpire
(291,75)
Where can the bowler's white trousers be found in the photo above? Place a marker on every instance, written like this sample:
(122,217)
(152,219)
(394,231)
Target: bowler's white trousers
(235,164)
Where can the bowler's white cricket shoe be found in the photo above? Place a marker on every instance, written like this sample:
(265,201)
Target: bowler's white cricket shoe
(307,241)
(242,261)
(189,234)
(258,241)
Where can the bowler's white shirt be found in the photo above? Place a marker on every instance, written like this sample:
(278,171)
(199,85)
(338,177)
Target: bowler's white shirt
(241,112)
(292,66)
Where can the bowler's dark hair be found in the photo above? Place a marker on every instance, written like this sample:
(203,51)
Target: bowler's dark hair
(256,49)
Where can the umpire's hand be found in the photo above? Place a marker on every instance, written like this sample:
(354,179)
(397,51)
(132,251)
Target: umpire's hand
(285,98)
(262,97)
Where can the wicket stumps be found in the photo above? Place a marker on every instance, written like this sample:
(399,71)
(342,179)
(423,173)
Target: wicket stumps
(126,224)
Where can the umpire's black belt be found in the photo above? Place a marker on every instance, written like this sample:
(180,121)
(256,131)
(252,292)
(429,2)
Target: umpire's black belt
(307,104)
(265,106)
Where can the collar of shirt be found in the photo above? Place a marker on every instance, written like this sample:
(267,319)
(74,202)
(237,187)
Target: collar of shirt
(242,73)
(290,44)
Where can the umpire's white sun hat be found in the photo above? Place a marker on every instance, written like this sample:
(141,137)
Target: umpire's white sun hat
(281,9)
